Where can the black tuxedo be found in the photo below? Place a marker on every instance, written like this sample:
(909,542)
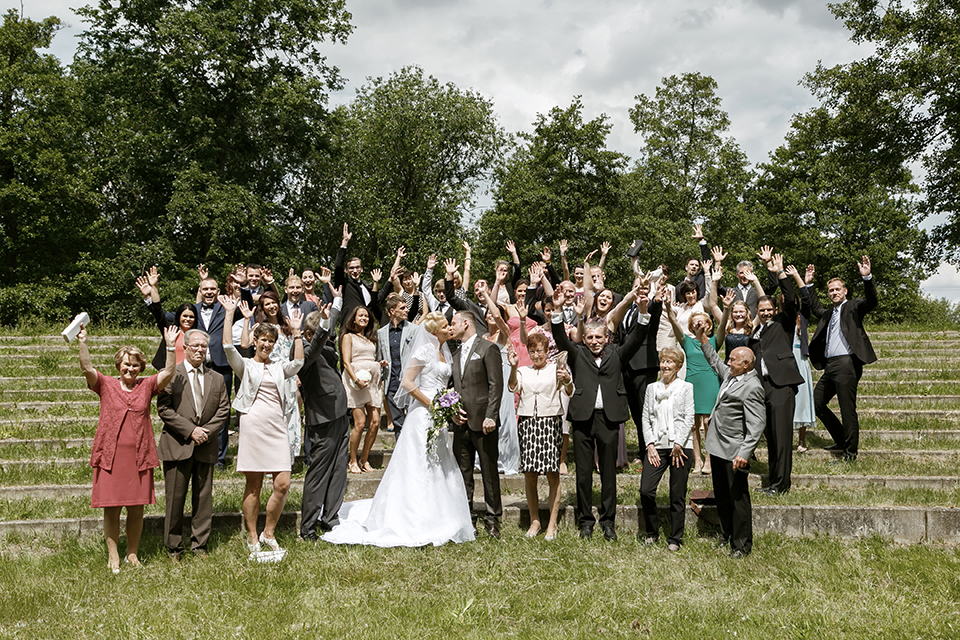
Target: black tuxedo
(772,345)
(327,431)
(460,303)
(841,374)
(600,427)
(186,463)
(478,378)
(217,360)
(353,289)
(641,370)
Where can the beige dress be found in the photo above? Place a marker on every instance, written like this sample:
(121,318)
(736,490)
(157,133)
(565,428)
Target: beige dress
(364,359)
(264,445)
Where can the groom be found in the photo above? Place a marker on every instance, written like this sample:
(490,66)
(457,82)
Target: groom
(478,378)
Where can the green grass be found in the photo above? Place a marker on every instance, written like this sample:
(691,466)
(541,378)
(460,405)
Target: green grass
(809,588)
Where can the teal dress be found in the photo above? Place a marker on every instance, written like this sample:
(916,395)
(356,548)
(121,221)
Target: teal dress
(706,384)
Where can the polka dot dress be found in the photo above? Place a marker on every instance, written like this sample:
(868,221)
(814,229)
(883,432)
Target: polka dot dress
(540,441)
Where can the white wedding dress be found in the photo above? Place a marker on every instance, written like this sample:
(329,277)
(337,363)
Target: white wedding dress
(421,499)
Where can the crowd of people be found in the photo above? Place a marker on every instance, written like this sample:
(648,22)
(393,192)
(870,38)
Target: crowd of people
(536,355)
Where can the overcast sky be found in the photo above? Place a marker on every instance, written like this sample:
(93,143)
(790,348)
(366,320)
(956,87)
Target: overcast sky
(530,56)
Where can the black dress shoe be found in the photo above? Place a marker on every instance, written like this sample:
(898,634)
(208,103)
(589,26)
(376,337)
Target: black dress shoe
(832,447)
(494,530)
(765,490)
(586,531)
(609,533)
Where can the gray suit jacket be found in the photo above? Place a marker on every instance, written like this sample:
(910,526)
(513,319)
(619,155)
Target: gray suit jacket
(480,384)
(739,416)
(176,408)
(383,346)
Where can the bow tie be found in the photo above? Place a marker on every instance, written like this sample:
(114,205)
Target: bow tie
(207,306)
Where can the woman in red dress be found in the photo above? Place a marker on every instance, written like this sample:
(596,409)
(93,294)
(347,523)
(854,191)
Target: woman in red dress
(124,451)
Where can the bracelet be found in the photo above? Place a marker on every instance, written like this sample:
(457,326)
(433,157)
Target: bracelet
(171,348)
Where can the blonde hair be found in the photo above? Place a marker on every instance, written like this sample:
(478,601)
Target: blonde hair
(431,321)
(673,353)
(135,355)
(700,313)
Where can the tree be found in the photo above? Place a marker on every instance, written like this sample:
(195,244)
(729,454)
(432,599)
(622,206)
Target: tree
(687,172)
(48,201)
(900,105)
(205,115)
(560,183)
(817,206)
(411,154)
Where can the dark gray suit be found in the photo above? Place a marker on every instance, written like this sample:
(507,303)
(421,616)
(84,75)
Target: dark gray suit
(325,410)
(478,378)
(736,424)
(186,463)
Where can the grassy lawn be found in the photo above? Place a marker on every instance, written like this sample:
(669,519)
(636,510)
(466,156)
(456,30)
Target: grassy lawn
(806,588)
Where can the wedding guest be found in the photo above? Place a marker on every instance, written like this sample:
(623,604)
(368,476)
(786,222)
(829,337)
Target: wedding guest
(361,379)
(508,444)
(123,454)
(185,317)
(668,412)
(309,280)
(265,445)
(540,418)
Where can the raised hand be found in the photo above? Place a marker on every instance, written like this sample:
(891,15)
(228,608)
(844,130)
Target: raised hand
(431,261)
(729,297)
(346,235)
(578,306)
(536,274)
(563,376)
(563,247)
(267,276)
(604,248)
(864,266)
(451,266)
(545,254)
(416,280)
(202,271)
(376,275)
(777,262)
(291,273)
(718,254)
(808,276)
(466,248)
(587,259)
(706,265)
(228,303)
(401,252)
(170,335)
(716,273)
(395,272)
(245,309)
(791,271)
(82,336)
(324,275)
(522,312)
(558,297)
(337,292)
(144,285)
(766,254)
(152,276)
(296,319)
(698,232)
(511,247)
(325,310)
(513,358)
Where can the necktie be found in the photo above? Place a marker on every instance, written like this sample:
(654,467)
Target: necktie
(197,395)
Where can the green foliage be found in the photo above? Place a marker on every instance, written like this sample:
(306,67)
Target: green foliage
(899,105)
(560,183)
(409,156)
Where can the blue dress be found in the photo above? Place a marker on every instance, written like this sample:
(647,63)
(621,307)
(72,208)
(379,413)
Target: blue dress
(731,341)
(706,384)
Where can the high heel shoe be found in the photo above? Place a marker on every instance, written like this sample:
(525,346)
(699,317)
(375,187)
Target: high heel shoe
(253,547)
(270,543)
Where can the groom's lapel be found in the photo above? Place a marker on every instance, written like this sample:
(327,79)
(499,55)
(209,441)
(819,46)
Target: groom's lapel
(457,375)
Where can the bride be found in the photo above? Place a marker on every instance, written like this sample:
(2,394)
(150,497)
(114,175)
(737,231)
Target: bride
(421,499)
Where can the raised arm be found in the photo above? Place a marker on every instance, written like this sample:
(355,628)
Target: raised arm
(426,284)
(86,365)
(503,331)
(711,303)
(166,375)
(563,260)
(604,250)
(870,300)
(672,317)
(724,318)
(588,283)
(234,358)
(467,259)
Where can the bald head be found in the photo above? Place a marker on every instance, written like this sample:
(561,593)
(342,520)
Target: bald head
(741,361)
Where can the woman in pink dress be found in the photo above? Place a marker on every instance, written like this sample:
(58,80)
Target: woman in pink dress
(124,452)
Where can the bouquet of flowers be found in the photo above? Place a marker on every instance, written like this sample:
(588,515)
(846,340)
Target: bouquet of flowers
(443,408)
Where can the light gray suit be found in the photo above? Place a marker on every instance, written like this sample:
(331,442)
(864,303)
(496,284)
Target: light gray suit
(736,424)
(390,385)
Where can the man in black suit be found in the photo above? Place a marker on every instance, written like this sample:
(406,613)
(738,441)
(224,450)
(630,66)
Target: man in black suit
(193,407)
(210,316)
(294,299)
(346,276)
(772,345)
(478,378)
(641,370)
(840,347)
(598,406)
(328,426)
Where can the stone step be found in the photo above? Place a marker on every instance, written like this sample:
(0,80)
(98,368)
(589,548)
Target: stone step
(905,525)
(365,485)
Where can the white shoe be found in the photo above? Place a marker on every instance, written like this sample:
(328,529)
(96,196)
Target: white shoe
(270,543)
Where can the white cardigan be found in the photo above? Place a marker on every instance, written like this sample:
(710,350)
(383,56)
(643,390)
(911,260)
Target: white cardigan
(681,431)
(539,392)
(250,377)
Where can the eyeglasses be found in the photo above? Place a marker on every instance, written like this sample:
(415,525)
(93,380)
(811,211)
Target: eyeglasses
(197,347)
